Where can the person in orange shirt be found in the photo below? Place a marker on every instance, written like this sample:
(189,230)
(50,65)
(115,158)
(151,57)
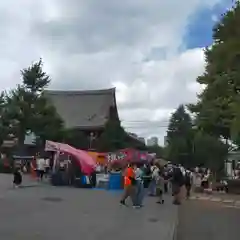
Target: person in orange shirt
(129,184)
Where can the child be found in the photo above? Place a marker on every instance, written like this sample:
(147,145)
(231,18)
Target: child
(159,187)
(17,177)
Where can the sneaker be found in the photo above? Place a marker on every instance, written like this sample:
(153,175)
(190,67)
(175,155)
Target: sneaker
(122,202)
(160,202)
(176,203)
(136,206)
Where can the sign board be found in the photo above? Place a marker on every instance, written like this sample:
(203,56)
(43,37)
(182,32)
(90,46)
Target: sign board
(116,156)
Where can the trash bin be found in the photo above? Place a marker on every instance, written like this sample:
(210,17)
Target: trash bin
(57,179)
(115,181)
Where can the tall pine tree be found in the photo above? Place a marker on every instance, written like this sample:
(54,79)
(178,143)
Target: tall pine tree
(179,137)
(29,109)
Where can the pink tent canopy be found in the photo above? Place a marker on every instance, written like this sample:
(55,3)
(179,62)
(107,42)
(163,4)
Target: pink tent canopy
(85,161)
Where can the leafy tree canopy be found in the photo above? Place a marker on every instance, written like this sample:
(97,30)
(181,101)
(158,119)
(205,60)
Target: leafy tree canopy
(209,151)
(217,110)
(156,149)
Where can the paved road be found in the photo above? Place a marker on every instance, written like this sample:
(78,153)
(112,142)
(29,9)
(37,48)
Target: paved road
(206,220)
(45,212)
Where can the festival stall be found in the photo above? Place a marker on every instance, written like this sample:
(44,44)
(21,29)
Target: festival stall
(100,158)
(82,158)
(119,160)
(79,158)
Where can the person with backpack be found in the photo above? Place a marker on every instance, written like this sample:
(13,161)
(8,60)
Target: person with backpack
(178,182)
(147,176)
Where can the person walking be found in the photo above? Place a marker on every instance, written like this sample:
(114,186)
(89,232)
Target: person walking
(177,184)
(152,186)
(160,187)
(147,176)
(40,168)
(166,178)
(17,177)
(129,184)
(188,183)
(139,187)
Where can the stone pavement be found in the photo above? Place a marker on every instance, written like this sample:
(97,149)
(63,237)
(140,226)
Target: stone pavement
(39,211)
(200,220)
(227,199)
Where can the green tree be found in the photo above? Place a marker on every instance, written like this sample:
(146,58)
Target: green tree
(218,105)
(159,150)
(5,123)
(209,151)
(113,137)
(76,138)
(180,137)
(29,109)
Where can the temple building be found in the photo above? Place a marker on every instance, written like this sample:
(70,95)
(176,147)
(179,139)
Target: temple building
(86,111)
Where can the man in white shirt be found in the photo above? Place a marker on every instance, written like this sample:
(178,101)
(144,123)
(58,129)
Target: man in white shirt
(40,168)
(152,186)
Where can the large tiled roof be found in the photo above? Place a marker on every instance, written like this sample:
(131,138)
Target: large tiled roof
(83,109)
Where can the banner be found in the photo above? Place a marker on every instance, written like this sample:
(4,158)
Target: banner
(51,146)
(128,155)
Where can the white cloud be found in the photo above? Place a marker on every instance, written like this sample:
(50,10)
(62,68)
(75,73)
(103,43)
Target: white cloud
(132,44)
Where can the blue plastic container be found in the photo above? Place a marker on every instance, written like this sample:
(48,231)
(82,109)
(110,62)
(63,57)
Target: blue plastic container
(83,180)
(115,181)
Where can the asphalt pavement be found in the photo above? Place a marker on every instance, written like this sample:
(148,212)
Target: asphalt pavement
(208,220)
(39,211)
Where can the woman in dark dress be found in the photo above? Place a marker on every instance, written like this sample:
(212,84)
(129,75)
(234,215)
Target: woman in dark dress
(17,177)
(147,176)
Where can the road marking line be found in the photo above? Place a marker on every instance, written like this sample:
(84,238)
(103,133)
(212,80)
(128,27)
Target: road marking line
(193,197)
(237,203)
(231,206)
(215,199)
(228,201)
(204,198)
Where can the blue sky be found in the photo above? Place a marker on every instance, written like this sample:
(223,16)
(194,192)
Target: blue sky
(199,31)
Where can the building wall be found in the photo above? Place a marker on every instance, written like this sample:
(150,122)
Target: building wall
(152,141)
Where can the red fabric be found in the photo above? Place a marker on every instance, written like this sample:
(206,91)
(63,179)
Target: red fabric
(83,159)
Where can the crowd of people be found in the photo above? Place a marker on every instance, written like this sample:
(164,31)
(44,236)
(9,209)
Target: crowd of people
(154,180)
